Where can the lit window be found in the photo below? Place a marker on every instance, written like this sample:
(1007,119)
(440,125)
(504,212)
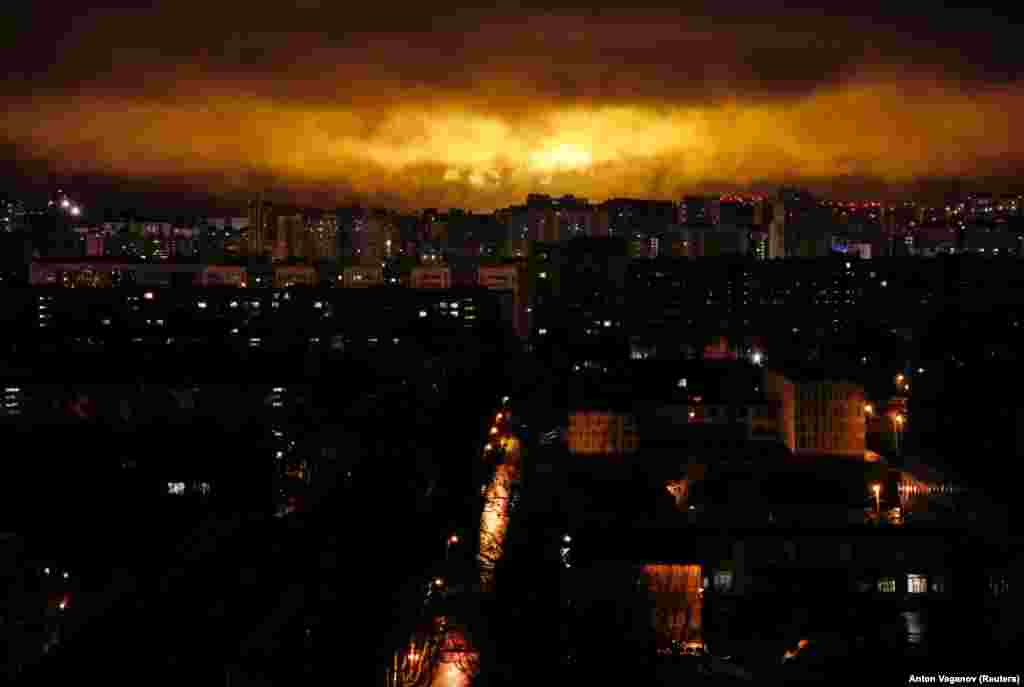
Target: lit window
(543,275)
(887,585)
(148,295)
(542,331)
(202,305)
(723,581)
(917,584)
(681,383)
(423,313)
(176,488)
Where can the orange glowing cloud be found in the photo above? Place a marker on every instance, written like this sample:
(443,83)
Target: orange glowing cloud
(485,158)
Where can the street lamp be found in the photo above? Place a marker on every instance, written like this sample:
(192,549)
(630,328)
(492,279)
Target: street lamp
(898,419)
(453,539)
(869,409)
(877,489)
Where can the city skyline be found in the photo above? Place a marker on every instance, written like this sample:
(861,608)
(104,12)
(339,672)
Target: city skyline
(477,109)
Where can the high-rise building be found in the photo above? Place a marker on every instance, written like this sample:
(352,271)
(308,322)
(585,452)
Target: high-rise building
(699,211)
(511,283)
(777,232)
(798,222)
(290,237)
(321,235)
(371,236)
(830,419)
(261,229)
(627,216)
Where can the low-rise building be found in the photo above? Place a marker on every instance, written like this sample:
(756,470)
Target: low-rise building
(431,278)
(362,276)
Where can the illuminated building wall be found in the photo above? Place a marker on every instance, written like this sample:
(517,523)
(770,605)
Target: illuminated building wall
(678,603)
(602,433)
(262,224)
(289,238)
(362,277)
(777,232)
(223,275)
(295,275)
(782,393)
(509,278)
(830,419)
(431,278)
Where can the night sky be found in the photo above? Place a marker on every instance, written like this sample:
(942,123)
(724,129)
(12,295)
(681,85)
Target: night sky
(437,106)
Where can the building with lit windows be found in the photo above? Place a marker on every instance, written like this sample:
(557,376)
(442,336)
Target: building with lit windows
(261,228)
(602,433)
(829,419)
(286,276)
(223,275)
(700,211)
(431,278)
(511,283)
(362,276)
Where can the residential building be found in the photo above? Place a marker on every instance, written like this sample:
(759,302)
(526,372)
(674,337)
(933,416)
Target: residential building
(287,276)
(602,433)
(431,278)
(510,281)
(362,276)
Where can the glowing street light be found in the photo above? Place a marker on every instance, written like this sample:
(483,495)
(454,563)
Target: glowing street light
(494,430)
(876,488)
(76,211)
(65,203)
(499,417)
(869,409)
